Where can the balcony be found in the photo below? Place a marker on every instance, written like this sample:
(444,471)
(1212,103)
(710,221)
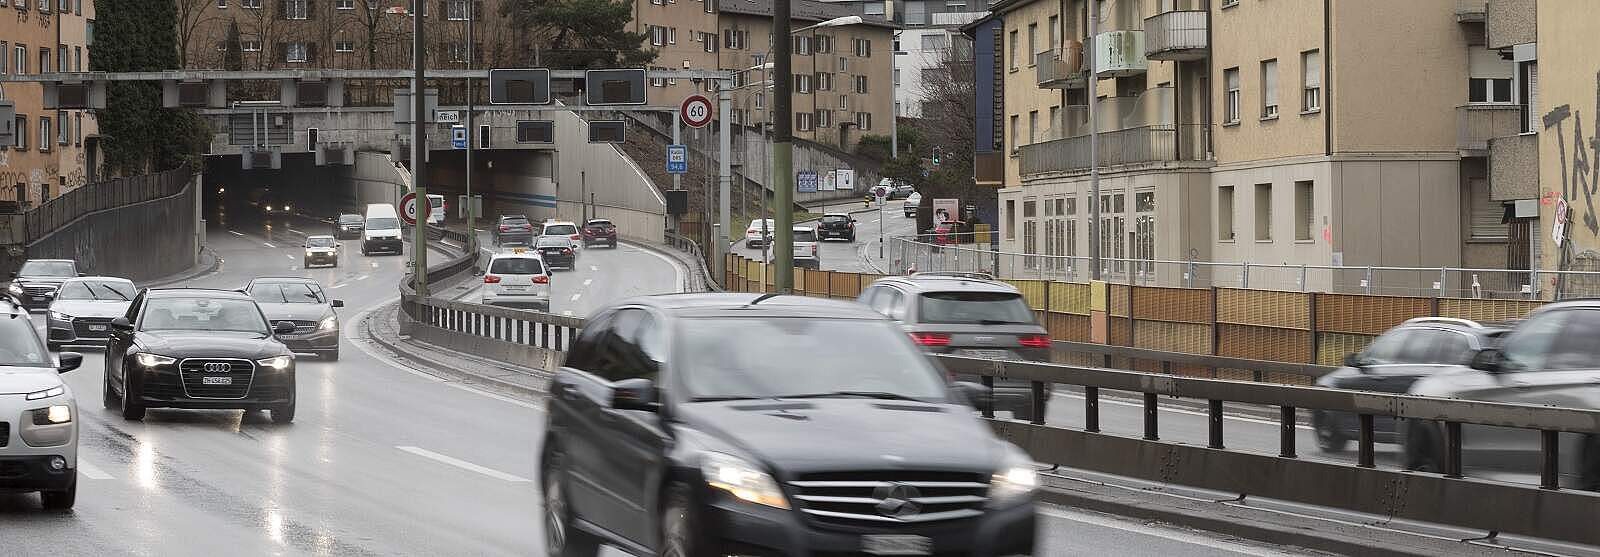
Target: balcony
(1514,167)
(989,169)
(1119,54)
(1062,68)
(1178,36)
(1471,11)
(1140,145)
(1511,22)
(1478,123)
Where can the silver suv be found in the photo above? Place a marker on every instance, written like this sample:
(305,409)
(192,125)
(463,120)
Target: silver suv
(38,415)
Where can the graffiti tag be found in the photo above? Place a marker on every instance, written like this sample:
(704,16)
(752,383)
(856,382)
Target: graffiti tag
(1582,177)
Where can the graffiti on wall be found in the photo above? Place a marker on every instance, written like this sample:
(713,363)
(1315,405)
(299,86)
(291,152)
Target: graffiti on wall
(1580,183)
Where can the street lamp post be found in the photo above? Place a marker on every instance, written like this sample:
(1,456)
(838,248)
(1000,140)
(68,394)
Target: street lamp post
(419,157)
(472,137)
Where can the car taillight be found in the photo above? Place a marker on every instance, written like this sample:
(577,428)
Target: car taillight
(566,251)
(504,228)
(491,279)
(577,237)
(541,279)
(813,249)
(930,339)
(1034,341)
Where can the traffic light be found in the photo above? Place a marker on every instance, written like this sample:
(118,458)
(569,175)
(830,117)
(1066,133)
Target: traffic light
(936,152)
(525,86)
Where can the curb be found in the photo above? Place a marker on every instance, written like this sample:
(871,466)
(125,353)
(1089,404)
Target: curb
(409,354)
(191,274)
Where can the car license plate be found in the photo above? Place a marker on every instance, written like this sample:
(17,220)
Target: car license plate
(988,354)
(896,544)
(39,298)
(97,328)
(216,380)
(516,287)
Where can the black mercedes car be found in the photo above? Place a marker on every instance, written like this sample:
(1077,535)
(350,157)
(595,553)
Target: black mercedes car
(556,251)
(198,348)
(743,424)
(35,284)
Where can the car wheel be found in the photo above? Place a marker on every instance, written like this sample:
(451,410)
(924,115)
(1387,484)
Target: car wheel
(1329,440)
(283,415)
(681,533)
(306,263)
(560,538)
(61,500)
(131,410)
(1424,447)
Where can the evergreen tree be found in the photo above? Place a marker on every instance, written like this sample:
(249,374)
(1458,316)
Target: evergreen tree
(131,36)
(233,55)
(578,34)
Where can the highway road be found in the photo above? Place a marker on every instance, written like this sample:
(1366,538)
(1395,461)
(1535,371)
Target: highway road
(602,275)
(383,459)
(860,256)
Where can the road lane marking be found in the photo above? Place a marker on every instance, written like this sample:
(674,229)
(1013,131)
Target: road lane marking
(593,268)
(587,282)
(576,296)
(374,264)
(291,257)
(338,286)
(462,464)
(363,277)
(236,233)
(294,231)
(91,471)
(1157,532)
(269,244)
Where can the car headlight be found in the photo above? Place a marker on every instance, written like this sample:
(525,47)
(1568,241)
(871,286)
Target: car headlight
(58,316)
(55,414)
(14,288)
(47,393)
(742,479)
(269,207)
(147,359)
(1014,481)
(276,362)
(328,323)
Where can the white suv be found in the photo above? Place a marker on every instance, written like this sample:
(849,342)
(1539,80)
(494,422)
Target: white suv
(567,229)
(805,248)
(759,232)
(517,279)
(39,449)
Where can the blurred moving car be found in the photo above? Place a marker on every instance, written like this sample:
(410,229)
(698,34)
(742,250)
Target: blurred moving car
(39,449)
(759,233)
(557,252)
(35,283)
(1392,364)
(805,248)
(600,231)
(83,309)
(837,225)
(517,279)
(967,315)
(902,191)
(772,425)
(321,250)
(275,204)
(304,303)
(911,204)
(1552,359)
(349,226)
(513,229)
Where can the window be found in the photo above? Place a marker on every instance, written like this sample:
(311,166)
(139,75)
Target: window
(802,46)
(658,35)
(864,48)
(1489,90)
(1529,95)
(708,41)
(734,38)
(760,101)
(864,121)
(823,44)
(824,81)
(802,83)
(64,134)
(1033,126)
(62,60)
(345,4)
(44,134)
(1484,216)
(252,4)
(294,52)
(1225,213)
(3,57)
(1536,337)
(933,42)
(1016,133)
(844,64)
(824,118)
(916,12)
(44,59)
(77,129)
(861,84)
(897,76)
(77,58)
(1269,89)
(1033,42)
(19,139)
(1054,125)
(1305,215)
(1263,203)
(1011,219)
(873,8)
(1230,108)
(344,46)
(221,4)
(1012,50)
(672,35)
(1311,81)
(294,9)
(456,10)
(251,45)
(458,52)
(21,65)
(803,121)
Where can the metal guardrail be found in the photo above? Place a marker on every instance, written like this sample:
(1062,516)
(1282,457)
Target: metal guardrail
(516,326)
(1544,511)
(1143,144)
(700,279)
(99,196)
(1127,357)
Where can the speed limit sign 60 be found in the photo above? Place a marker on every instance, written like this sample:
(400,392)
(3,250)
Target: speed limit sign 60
(411,211)
(696,111)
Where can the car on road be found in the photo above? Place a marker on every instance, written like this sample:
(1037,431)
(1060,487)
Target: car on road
(805,248)
(837,225)
(759,233)
(382,231)
(436,209)
(304,303)
(38,414)
(1549,359)
(747,424)
(349,226)
(901,191)
(321,250)
(275,204)
(1395,361)
(513,229)
(967,315)
(557,253)
(600,231)
(517,279)
(83,309)
(911,204)
(565,229)
(36,282)
(200,349)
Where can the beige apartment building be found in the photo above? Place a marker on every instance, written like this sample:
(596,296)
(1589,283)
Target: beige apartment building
(1356,133)
(53,150)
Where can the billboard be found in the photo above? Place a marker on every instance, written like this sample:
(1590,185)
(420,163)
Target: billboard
(827,181)
(846,180)
(946,210)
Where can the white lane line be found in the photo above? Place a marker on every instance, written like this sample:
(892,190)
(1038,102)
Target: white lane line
(269,244)
(236,233)
(1104,400)
(576,296)
(587,282)
(1157,532)
(593,268)
(294,231)
(374,264)
(291,257)
(91,471)
(462,464)
(338,286)
(363,277)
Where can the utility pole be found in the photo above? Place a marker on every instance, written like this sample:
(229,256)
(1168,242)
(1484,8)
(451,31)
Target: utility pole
(1094,154)
(472,135)
(724,174)
(419,159)
(783,148)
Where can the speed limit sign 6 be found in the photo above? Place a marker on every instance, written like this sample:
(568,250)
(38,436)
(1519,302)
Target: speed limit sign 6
(411,211)
(696,111)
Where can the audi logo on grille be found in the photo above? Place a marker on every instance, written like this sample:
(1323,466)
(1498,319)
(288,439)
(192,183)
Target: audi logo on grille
(896,500)
(218,367)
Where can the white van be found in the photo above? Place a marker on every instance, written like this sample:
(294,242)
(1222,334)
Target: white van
(436,209)
(383,230)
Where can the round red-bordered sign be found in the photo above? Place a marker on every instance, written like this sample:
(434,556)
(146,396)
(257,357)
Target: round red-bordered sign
(411,211)
(696,111)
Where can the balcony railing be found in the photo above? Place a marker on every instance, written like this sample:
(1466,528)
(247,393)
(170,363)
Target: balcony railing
(1478,123)
(1062,68)
(989,169)
(1120,54)
(1144,144)
(1471,10)
(1179,35)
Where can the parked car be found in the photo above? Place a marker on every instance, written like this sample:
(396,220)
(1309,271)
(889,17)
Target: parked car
(805,248)
(743,424)
(513,229)
(600,231)
(82,311)
(1551,359)
(304,303)
(35,283)
(39,449)
(911,204)
(902,191)
(349,226)
(517,279)
(1392,364)
(557,252)
(837,225)
(321,250)
(759,233)
(966,315)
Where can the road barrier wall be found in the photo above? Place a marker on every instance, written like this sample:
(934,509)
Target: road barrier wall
(139,227)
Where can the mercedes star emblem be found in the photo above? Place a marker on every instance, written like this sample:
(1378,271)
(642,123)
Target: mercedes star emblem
(897,500)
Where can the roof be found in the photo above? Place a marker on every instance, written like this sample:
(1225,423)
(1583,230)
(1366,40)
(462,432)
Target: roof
(802,12)
(329,236)
(281,279)
(947,282)
(754,305)
(196,293)
(529,254)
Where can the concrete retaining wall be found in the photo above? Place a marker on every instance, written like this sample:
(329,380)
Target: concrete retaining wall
(376,180)
(141,241)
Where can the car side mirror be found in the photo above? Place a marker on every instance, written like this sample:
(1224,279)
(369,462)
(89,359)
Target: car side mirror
(83,274)
(1355,360)
(338,303)
(68,361)
(122,324)
(634,394)
(975,394)
(283,328)
(1488,360)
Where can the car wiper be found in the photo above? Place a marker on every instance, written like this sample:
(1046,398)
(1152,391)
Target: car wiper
(108,289)
(863,394)
(726,398)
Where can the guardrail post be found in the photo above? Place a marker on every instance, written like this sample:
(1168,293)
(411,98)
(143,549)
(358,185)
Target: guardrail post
(1550,466)
(1150,426)
(1244,276)
(1216,424)
(1091,409)
(1442,272)
(1452,449)
(1286,431)
(1367,283)
(988,384)
(1364,449)
(1038,402)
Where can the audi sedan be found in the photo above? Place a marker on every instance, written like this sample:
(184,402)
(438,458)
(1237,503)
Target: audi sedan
(83,309)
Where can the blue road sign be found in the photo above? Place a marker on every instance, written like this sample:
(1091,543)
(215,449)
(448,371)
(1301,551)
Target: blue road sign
(677,159)
(806,182)
(458,137)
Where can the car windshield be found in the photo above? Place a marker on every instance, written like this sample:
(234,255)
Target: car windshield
(383,223)
(831,219)
(561,230)
(757,225)
(110,290)
(202,314)
(435,201)
(806,235)
(516,266)
(975,307)
(321,242)
(349,219)
(727,358)
(287,293)
(19,344)
(48,269)
(554,242)
(514,221)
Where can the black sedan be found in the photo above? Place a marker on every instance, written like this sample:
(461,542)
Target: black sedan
(556,251)
(837,225)
(198,348)
(349,227)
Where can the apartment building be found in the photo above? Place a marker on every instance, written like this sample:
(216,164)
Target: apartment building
(1248,131)
(930,29)
(53,150)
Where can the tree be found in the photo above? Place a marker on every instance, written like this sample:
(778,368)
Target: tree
(233,48)
(192,14)
(577,34)
(140,135)
(949,122)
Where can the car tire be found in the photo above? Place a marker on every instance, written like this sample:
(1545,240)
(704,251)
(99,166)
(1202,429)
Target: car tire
(283,415)
(1329,440)
(613,244)
(131,410)
(1424,447)
(682,535)
(305,263)
(560,538)
(61,500)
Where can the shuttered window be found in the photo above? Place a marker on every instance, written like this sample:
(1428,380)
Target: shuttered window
(1484,215)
